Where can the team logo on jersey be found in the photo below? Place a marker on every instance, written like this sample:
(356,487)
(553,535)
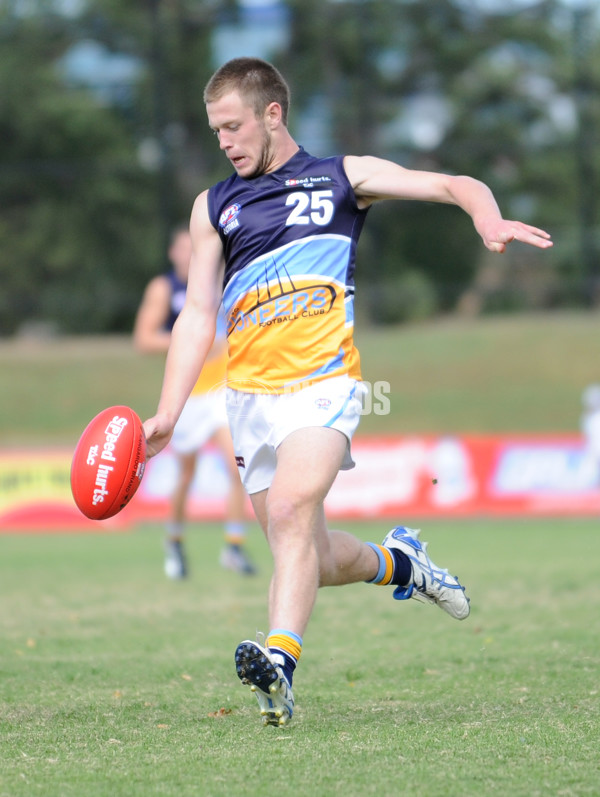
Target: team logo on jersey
(307,182)
(228,219)
(323,403)
(280,301)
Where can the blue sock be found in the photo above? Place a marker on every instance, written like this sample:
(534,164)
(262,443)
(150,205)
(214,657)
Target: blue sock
(285,646)
(288,665)
(394,566)
(403,572)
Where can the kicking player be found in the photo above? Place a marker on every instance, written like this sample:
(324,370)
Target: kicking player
(276,242)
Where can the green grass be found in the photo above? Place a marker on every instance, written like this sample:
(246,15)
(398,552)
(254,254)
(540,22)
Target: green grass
(498,374)
(115,681)
(50,390)
(510,374)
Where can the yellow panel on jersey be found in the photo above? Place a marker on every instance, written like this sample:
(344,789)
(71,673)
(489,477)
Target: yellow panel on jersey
(289,332)
(214,373)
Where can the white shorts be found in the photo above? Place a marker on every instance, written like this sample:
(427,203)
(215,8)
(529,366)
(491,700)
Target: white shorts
(259,423)
(201,417)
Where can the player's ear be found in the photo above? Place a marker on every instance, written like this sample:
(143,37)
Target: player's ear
(273,115)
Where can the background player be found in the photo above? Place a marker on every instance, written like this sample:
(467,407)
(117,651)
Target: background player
(277,241)
(203,418)
(590,426)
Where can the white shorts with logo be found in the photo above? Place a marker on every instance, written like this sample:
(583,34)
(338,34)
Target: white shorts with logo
(259,423)
(202,415)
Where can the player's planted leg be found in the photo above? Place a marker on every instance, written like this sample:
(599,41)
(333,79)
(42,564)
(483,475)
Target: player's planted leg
(257,669)
(234,557)
(175,560)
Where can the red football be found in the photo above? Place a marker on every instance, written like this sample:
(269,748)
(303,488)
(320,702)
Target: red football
(108,463)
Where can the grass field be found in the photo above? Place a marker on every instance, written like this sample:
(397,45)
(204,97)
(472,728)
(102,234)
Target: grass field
(117,682)
(515,374)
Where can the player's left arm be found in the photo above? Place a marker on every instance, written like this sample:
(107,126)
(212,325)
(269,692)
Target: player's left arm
(374,179)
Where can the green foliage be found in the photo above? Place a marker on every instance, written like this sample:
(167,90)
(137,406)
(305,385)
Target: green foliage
(494,83)
(74,235)
(409,296)
(445,85)
(437,241)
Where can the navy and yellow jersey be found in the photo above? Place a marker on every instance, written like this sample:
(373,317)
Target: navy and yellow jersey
(213,374)
(177,300)
(289,239)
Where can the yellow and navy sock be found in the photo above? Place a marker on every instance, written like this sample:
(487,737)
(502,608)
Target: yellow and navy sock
(286,648)
(235,533)
(394,566)
(174,530)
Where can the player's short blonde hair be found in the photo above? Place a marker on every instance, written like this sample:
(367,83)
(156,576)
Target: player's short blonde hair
(256,81)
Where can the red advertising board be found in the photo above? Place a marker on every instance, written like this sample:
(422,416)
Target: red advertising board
(395,476)
(468,475)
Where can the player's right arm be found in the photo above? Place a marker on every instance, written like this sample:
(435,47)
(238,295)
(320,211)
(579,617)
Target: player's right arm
(194,330)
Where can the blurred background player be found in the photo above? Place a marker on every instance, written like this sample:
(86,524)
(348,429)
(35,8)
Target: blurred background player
(204,418)
(590,427)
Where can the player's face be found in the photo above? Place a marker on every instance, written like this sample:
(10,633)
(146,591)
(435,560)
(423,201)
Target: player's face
(245,139)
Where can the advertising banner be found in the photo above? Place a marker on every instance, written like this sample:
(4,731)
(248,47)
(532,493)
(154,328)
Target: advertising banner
(395,476)
(468,475)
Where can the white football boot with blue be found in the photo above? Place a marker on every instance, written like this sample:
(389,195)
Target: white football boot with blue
(175,560)
(257,667)
(430,583)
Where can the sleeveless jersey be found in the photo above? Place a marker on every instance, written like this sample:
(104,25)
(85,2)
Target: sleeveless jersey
(289,239)
(213,374)
(178,289)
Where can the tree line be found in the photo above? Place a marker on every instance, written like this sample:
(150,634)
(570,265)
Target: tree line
(90,184)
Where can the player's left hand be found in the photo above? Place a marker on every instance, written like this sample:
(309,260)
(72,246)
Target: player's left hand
(158,432)
(496,235)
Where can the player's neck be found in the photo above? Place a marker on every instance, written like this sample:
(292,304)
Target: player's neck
(285,149)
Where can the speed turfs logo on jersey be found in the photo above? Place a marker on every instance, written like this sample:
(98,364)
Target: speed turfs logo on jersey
(307,182)
(228,219)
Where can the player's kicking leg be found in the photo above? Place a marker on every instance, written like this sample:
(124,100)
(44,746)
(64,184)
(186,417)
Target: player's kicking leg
(427,582)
